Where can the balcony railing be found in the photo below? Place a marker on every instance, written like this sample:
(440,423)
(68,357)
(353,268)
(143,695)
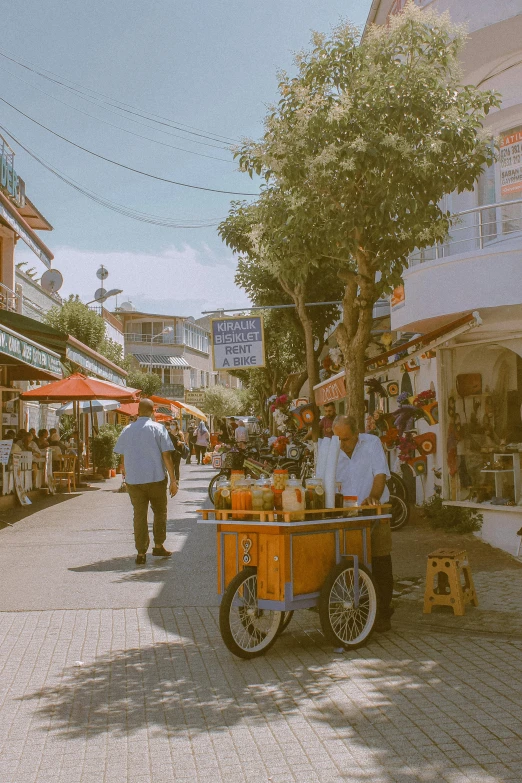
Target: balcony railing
(9,300)
(137,337)
(172,390)
(475,229)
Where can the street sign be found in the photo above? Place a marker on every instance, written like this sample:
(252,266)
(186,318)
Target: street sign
(238,343)
(196,398)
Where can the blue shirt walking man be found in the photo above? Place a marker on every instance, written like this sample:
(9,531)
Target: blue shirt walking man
(146,451)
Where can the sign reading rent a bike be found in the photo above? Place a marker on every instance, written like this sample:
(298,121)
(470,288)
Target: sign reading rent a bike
(238,343)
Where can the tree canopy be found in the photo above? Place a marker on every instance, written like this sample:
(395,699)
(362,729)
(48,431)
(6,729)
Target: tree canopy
(222,401)
(366,140)
(148,382)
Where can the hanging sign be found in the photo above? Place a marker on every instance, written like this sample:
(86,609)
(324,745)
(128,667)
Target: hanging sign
(24,350)
(238,343)
(511,162)
(5,451)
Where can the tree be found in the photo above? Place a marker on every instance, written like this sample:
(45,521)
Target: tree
(221,401)
(75,318)
(148,382)
(271,267)
(365,142)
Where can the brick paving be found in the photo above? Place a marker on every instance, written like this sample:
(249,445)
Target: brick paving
(137,687)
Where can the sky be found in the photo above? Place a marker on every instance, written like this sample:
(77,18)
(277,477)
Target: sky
(211,66)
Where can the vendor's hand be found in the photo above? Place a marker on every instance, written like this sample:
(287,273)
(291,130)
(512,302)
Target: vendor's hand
(371,501)
(173,488)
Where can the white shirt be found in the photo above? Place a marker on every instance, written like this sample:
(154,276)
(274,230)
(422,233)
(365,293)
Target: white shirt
(241,434)
(356,473)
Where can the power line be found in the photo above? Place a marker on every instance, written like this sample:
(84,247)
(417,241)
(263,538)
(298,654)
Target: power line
(122,165)
(112,125)
(171,123)
(143,217)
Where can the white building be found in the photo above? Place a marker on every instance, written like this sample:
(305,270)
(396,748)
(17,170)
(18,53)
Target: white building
(477,370)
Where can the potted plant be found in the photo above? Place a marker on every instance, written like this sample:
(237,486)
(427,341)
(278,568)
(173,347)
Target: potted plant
(102,449)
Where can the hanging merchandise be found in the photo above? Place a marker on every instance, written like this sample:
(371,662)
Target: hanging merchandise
(431,412)
(419,465)
(392,388)
(412,364)
(469,383)
(373,386)
(406,387)
(303,416)
(427,443)
(406,414)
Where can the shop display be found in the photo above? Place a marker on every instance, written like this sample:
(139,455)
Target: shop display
(314,494)
(280,479)
(293,498)
(222,497)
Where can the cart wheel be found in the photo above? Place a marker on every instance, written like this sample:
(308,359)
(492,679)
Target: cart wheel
(287,616)
(212,486)
(342,622)
(400,512)
(247,630)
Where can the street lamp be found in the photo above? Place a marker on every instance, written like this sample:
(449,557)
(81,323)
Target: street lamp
(101,298)
(167,330)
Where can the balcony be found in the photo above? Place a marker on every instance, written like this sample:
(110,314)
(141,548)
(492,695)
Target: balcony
(476,268)
(159,339)
(9,300)
(174,390)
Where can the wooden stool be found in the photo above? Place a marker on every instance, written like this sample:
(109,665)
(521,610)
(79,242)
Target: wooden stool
(448,566)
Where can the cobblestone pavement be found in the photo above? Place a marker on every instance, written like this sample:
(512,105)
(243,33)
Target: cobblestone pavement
(108,674)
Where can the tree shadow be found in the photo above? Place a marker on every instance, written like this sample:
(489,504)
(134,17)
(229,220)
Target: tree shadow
(377,705)
(11,516)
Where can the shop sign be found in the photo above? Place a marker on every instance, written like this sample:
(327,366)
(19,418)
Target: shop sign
(196,398)
(93,366)
(10,182)
(511,162)
(238,343)
(5,451)
(332,390)
(11,344)
(17,227)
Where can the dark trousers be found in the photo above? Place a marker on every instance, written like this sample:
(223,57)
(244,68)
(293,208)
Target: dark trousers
(191,449)
(176,459)
(141,495)
(382,573)
(200,451)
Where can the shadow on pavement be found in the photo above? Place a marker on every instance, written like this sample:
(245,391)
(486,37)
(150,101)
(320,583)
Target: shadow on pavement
(376,704)
(10,516)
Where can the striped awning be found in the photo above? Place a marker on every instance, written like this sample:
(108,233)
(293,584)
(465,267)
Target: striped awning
(161,361)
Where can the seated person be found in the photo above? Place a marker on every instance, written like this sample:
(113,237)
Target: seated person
(42,441)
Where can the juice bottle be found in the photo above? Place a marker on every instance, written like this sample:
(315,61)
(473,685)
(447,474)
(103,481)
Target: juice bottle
(339,499)
(280,478)
(257,495)
(222,499)
(293,498)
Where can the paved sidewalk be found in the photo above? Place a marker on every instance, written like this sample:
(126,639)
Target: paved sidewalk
(113,674)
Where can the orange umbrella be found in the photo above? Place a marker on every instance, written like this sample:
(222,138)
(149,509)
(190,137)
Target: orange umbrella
(129,408)
(79,387)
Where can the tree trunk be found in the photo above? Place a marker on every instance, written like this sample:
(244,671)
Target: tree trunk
(353,334)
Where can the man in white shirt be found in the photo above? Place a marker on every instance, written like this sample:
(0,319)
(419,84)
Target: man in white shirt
(362,469)
(241,434)
(146,450)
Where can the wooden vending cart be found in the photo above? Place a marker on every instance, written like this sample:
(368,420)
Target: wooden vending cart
(269,565)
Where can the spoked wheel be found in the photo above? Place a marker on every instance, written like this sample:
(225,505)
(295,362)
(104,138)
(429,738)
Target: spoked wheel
(212,486)
(247,630)
(400,512)
(397,486)
(344,624)
(287,616)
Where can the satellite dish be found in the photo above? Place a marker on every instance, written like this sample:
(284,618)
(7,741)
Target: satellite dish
(126,306)
(100,294)
(102,273)
(51,281)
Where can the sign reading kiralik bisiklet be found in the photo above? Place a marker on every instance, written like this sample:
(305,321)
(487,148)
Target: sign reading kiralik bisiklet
(238,343)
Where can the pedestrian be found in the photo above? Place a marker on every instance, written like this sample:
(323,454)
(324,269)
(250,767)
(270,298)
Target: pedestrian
(178,442)
(146,451)
(241,435)
(202,441)
(191,439)
(232,427)
(362,469)
(325,423)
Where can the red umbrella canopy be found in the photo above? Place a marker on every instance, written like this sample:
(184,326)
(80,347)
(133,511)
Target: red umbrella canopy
(80,387)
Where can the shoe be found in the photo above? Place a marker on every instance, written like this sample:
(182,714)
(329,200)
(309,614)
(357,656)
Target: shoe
(381,626)
(160,551)
(141,559)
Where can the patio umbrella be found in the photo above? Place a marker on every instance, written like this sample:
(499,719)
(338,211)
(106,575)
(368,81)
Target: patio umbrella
(94,406)
(77,388)
(177,404)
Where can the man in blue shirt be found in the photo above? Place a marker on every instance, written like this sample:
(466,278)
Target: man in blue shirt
(146,451)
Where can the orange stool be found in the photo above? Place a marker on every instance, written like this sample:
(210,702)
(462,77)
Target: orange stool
(449,581)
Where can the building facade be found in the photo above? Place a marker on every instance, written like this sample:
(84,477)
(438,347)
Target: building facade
(475,371)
